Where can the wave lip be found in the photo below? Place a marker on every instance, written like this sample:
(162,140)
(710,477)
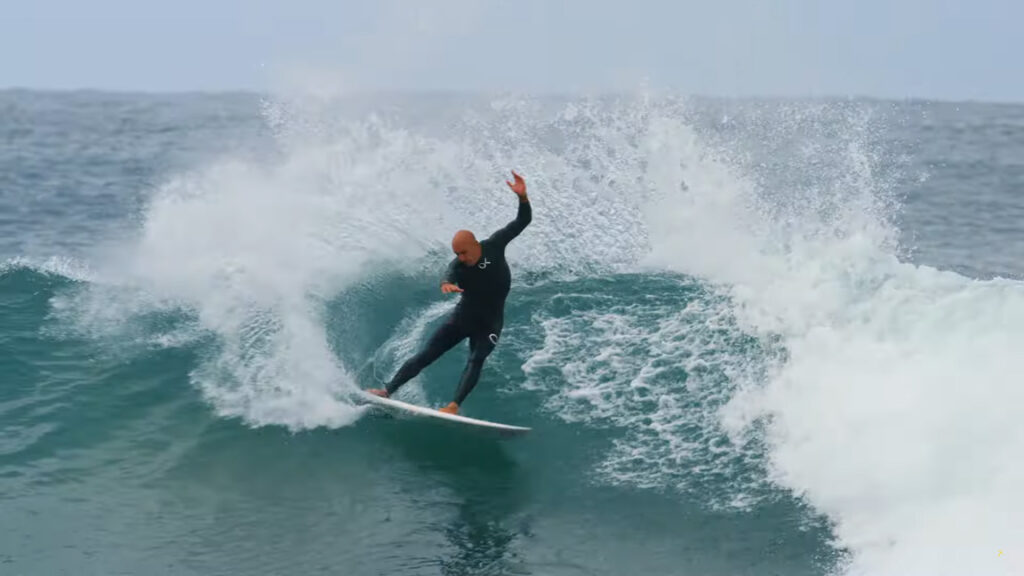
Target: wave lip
(63,267)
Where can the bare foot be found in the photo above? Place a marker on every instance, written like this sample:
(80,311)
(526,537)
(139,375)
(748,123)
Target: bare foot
(451,408)
(378,392)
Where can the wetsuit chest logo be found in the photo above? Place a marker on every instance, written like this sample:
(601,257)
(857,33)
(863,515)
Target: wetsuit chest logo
(483,265)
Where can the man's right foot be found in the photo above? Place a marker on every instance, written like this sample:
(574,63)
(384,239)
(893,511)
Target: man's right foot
(378,392)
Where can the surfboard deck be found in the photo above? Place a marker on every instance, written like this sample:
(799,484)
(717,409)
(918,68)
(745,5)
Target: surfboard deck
(412,409)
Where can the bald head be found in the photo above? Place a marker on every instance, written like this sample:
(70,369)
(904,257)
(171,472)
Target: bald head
(466,247)
(463,238)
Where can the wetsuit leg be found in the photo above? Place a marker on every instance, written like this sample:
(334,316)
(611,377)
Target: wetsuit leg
(481,343)
(444,338)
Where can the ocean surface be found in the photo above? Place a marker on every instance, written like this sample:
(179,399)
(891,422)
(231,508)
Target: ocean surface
(752,337)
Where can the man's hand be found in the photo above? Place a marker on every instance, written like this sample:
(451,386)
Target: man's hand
(519,186)
(448,288)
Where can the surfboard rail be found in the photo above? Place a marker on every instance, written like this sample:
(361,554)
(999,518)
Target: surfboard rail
(423,411)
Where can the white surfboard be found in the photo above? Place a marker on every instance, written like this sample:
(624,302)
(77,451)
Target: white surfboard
(412,409)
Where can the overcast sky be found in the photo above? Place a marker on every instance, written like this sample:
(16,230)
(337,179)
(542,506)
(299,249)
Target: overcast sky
(947,49)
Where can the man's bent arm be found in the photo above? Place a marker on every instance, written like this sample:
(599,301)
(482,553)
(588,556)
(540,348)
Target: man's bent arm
(450,273)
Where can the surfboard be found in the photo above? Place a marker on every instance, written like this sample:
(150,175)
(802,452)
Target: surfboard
(393,405)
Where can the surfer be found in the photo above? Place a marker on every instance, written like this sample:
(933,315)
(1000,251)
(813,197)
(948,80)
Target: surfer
(480,273)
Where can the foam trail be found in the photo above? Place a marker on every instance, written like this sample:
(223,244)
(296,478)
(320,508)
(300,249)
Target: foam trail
(254,252)
(659,368)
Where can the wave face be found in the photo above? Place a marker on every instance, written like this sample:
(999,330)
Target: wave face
(716,302)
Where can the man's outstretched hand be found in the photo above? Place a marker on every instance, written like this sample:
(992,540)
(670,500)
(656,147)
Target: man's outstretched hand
(448,288)
(518,186)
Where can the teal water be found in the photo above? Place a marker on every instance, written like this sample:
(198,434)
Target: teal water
(740,331)
(123,464)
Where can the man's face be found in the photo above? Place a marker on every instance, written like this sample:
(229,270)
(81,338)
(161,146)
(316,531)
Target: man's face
(466,248)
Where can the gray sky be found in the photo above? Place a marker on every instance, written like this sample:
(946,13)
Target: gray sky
(948,49)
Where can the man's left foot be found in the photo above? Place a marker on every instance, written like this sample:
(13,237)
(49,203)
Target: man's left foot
(451,408)
(378,392)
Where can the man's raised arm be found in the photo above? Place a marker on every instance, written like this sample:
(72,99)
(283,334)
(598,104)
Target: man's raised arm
(523,216)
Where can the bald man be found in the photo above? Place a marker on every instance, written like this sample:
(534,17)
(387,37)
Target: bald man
(480,273)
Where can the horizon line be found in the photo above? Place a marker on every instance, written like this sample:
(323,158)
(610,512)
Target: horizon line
(500,93)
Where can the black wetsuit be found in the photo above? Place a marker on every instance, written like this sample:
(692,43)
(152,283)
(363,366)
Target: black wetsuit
(480,313)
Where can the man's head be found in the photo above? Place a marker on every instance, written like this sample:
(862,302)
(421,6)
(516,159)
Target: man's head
(466,248)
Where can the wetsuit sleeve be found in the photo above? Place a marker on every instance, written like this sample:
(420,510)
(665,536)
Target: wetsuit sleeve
(451,273)
(513,228)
